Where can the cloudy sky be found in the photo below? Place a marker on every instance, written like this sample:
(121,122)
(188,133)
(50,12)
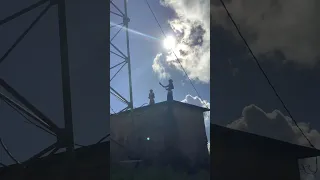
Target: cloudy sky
(189,23)
(283,35)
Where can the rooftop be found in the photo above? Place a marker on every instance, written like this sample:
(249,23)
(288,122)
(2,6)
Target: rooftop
(235,139)
(163,104)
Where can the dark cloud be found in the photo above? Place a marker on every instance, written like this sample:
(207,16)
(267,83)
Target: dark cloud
(196,36)
(289,26)
(277,126)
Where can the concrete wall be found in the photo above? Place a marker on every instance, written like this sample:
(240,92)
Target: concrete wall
(90,163)
(192,135)
(133,135)
(247,161)
(154,123)
(251,165)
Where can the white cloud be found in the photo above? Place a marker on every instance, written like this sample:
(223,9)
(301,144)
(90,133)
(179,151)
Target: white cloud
(195,100)
(192,28)
(158,67)
(288,26)
(277,126)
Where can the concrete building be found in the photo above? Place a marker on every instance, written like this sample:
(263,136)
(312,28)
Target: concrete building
(163,131)
(240,155)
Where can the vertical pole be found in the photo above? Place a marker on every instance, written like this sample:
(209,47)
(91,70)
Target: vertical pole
(65,76)
(126,22)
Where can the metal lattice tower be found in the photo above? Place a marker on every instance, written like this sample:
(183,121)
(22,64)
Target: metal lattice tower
(117,52)
(64,135)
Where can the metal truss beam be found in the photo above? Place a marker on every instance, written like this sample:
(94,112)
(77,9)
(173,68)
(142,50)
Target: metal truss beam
(118,95)
(20,38)
(117,8)
(52,126)
(117,72)
(115,47)
(24,110)
(117,64)
(22,12)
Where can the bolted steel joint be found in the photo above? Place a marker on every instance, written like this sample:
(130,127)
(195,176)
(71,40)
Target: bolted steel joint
(63,138)
(126,20)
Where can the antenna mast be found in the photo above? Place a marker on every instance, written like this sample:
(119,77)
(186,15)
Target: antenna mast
(116,51)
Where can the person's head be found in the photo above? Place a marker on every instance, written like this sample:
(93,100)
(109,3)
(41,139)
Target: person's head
(151,90)
(170,81)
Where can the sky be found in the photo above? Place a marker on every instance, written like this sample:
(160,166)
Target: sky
(151,63)
(144,52)
(284,36)
(33,69)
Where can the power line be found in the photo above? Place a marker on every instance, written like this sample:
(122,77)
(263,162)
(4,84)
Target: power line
(175,53)
(268,80)
(8,152)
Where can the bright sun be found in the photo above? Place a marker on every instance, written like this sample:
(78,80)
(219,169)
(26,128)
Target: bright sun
(169,42)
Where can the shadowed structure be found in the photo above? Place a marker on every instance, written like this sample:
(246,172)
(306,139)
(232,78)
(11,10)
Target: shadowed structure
(240,155)
(91,162)
(163,133)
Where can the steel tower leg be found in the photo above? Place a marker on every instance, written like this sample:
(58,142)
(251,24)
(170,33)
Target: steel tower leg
(126,22)
(65,76)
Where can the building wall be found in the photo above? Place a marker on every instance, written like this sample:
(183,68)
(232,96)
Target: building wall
(192,135)
(230,161)
(133,134)
(155,124)
(89,163)
(253,165)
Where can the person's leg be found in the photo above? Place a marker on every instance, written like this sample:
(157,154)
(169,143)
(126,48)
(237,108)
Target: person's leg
(170,97)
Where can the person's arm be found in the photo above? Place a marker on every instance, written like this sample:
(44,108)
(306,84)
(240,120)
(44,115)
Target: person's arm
(163,85)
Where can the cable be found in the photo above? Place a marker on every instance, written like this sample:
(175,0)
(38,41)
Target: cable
(8,152)
(269,82)
(103,138)
(175,53)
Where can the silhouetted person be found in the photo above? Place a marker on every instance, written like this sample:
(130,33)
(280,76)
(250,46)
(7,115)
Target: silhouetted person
(169,88)
(151,97)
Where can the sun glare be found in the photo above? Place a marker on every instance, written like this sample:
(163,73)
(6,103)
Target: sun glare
(169,42)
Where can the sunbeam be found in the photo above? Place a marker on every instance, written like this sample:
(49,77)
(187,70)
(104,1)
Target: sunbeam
(134,31)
